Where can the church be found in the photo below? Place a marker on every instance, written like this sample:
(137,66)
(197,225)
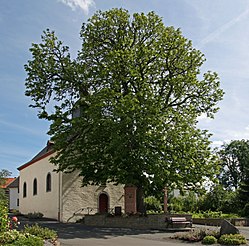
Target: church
(60,195)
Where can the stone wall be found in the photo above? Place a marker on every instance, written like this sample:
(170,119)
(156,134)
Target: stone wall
(155,221)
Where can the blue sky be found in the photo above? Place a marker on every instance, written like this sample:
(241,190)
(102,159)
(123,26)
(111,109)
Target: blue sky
(218,28)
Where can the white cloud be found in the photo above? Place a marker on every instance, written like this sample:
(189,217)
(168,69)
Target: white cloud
(19,128)
(83,4)
(224,28)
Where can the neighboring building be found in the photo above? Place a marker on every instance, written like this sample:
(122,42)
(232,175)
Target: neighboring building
(60,195)
(4,185)
(13,189)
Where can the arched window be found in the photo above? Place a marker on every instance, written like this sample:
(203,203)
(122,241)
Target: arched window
(48,182)
(35,187)
(24,189)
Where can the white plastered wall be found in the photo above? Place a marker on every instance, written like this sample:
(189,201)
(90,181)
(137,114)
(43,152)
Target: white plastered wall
(78,200)
(13,197)
(44,202)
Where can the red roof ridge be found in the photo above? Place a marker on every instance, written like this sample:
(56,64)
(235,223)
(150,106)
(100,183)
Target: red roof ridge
(7,182)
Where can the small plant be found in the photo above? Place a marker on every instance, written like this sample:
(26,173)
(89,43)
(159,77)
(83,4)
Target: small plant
(216,214)
(9,236)
(4,220)
(232,239)
(153,204)
(196,235)
(27,240)
(42,232)
(35,215)
(209,240)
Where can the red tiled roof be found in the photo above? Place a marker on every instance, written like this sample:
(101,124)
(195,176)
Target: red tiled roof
(7,181)
(14,184)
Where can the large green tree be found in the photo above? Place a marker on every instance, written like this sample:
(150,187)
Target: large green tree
(135,92)
(234,158)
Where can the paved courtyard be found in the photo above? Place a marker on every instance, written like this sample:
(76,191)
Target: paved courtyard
(79,234)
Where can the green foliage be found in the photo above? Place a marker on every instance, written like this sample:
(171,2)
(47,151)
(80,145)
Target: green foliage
(186,203)
(234,162)
(9,236)
(153,204)
(209,240)
(27,240)
(35,215)
(176,204)
(214,215)
(243,193)
(135,91)
(245,211)
(196,235)
(42,232)
(30,235)
(232,239)
(219,199)
(3,174)
(4,220)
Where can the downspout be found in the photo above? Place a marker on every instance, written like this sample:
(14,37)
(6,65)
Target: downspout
(59,198)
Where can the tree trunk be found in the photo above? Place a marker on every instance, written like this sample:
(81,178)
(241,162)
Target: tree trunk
(165,200)
(140,200)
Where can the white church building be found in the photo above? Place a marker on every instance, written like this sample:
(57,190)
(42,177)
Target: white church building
(60,195)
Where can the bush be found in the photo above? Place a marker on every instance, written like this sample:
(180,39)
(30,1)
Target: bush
(9,236)
(35,215)
(183,203)
(27,240)
(219,199)
(246,210)
(153,204)
(211,214)
(44,233)
(196,235)
(209,240)
(232,239)
(4,220)
(176,204)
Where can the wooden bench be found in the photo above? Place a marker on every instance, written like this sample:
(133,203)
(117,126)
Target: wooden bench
(178,221)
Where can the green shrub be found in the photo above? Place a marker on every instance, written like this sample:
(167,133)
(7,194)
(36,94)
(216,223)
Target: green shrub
(211,214)
(27,240)
(153,204)
(176,204)
(9,236)
(209,240)
(42,232)
(4,220)
(232,239)
(246,210)
(35,215)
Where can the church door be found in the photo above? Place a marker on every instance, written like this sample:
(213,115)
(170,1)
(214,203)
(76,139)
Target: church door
(103,203)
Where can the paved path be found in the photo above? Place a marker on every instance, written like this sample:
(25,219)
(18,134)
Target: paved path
(79,234)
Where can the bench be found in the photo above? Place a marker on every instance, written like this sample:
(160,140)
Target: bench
(178,221)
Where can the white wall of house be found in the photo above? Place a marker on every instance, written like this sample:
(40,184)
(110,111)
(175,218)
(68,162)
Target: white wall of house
(78,200)
(67,201)
(45,202)
(13,198)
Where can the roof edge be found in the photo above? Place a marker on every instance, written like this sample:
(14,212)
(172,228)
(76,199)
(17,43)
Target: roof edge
(33,161)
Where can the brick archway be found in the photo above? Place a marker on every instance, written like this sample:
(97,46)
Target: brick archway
(103,203)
